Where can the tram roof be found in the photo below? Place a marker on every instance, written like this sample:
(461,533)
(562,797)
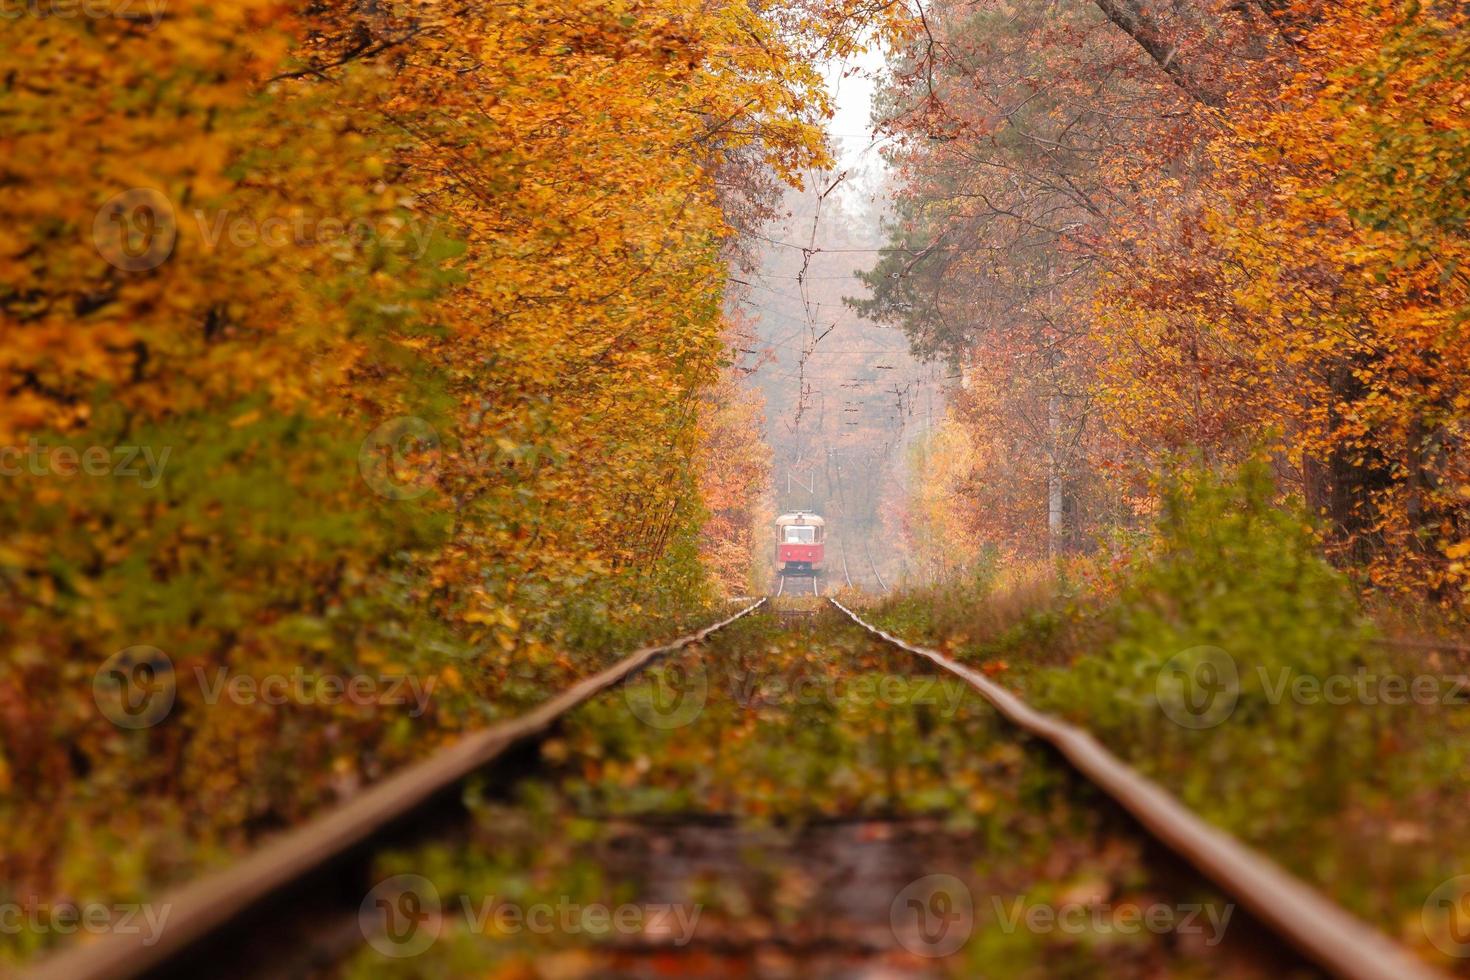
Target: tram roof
(800,517)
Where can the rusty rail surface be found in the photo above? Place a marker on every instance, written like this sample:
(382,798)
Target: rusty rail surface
(1322,931)
(874,566)
(846,575)
(208,905)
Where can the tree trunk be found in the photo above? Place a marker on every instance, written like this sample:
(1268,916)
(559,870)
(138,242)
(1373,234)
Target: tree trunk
(1139,23)
(1055,527)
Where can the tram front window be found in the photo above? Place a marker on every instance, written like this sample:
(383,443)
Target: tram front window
(800,534)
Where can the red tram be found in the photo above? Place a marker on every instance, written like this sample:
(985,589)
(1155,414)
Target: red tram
(799,543)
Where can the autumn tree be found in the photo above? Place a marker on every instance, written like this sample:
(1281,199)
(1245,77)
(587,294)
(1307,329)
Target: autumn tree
(1248,245)
(416,308)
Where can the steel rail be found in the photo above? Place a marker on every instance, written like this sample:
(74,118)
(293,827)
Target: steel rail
(874,566)
(1319,929)
(781,584)
(207,906)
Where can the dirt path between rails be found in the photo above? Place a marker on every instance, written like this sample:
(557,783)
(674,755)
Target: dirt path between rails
(794,800)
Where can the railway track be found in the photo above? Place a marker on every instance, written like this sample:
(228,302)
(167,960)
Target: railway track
(1322,931)
(302,870)
(781,578)
(874,566)
(309,882)
(846,575)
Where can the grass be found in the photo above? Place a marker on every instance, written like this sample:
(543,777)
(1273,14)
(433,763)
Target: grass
(822,776)
(1239,669)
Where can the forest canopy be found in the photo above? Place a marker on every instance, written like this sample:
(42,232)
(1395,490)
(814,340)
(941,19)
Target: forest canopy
(1159,233)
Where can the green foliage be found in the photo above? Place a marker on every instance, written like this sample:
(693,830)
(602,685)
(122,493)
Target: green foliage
(1230,662)
(527,319)
(771,806)
(607,614)
(1234,603)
